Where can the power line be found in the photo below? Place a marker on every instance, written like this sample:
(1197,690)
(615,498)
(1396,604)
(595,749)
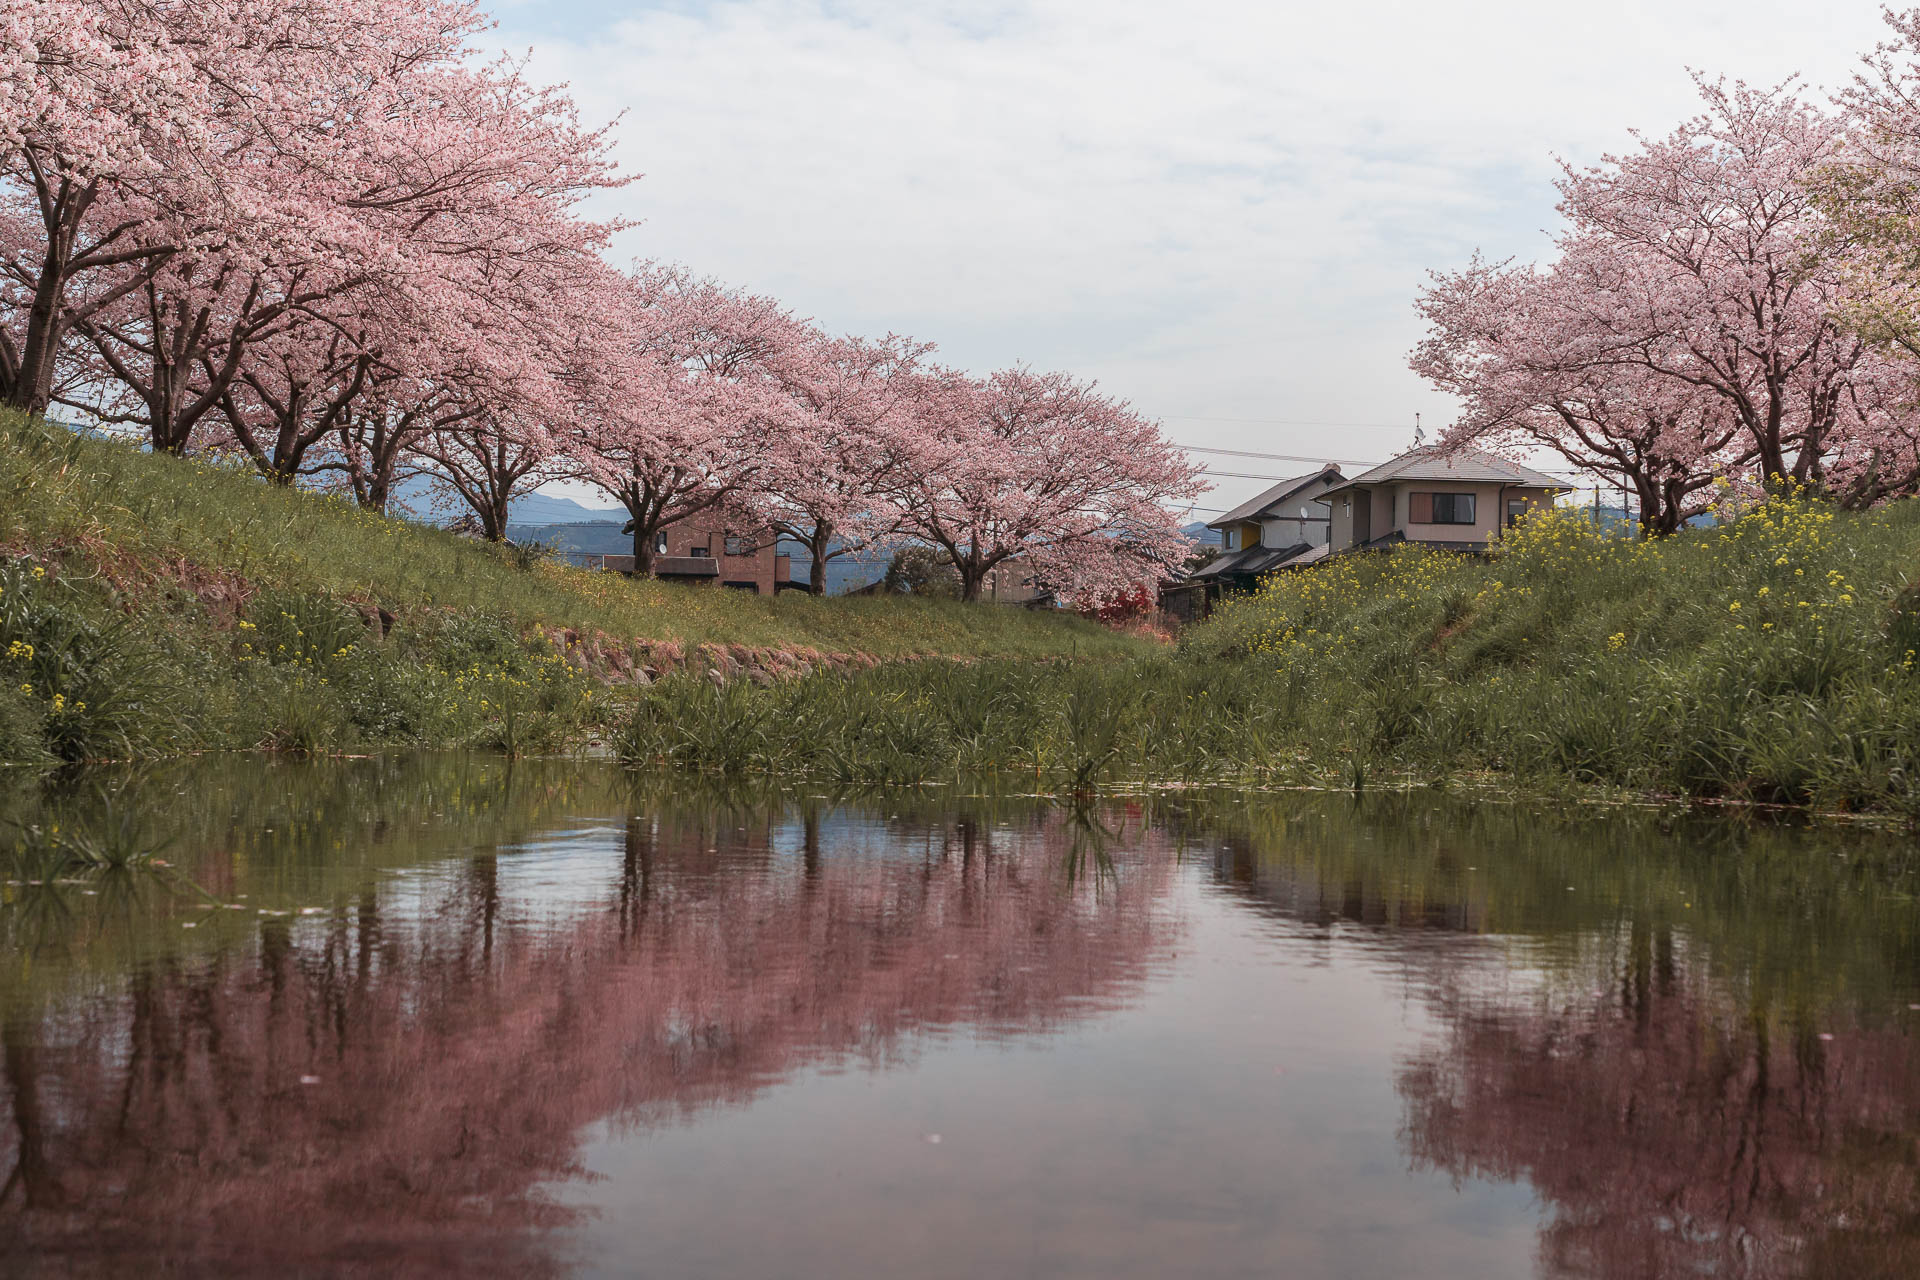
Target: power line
(1282,422)
(1277,457)
(1242,475)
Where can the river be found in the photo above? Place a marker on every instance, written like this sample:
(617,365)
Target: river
(451,1015)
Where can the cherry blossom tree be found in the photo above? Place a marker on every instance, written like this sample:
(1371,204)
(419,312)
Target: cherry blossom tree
(487,461)
(679,411)
(94,108)
(1695,324)
(1532,368)
(147,132)
(1042,469)
(1720,238)
(330,157)
(829,486)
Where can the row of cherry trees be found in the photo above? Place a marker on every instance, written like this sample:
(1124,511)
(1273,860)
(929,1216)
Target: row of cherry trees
(1732,306)
(319,236)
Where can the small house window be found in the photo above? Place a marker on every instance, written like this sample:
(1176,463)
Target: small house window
(1516,507)
(1232,539)
(738,546)
(701,551)
(1440,508)
(660,543)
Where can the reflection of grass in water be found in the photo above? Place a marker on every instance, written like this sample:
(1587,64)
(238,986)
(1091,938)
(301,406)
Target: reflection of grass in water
(69,876)
(1089,848)
(108,840)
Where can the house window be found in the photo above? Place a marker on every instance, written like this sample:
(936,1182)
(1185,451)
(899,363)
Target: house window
(1231,539)
(700,551)
(660,543)
(738,546)
(1440,508)
(1516,507)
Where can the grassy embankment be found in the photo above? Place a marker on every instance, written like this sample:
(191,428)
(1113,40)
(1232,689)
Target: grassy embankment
(1771,659)
(151,606)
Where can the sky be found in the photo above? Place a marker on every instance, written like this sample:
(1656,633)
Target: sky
(1220,211)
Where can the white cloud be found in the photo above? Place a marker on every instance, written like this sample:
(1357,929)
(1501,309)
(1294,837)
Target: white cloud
(1221,210)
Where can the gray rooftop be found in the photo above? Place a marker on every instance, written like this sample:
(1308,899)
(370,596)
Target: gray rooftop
(1253,507)
(1430,463)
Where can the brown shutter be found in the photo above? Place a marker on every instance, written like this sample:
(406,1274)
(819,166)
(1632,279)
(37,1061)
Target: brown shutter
(1422,508)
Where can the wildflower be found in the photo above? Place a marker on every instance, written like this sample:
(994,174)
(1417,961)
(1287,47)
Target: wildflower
(39,572)
(59,701)
(1735,607)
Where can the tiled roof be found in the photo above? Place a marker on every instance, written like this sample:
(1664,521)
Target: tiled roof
(1251,561)
(1214,568)
(1265,558)
(1253,506)
(1462,465)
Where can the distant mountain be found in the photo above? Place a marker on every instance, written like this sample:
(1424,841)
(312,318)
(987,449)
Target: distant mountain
(1201,534)
(416,496)
(594,537)
(542,508)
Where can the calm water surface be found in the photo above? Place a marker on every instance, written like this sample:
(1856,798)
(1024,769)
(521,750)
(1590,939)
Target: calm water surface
(446,1016)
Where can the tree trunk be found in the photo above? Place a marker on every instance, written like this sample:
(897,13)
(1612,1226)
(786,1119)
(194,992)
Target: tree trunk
(817,571)
(62,211)
(33,389)
(642,550)
(496,515)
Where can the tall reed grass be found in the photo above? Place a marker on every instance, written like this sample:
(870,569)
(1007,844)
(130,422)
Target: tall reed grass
(1771,659)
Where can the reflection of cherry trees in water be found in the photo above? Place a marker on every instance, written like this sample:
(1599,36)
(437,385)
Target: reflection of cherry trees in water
(388,1085)
(1676,1123)
(1632,1016)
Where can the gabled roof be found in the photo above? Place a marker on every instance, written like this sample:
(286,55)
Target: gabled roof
(1430,463)
(1255,506)
(1250,561)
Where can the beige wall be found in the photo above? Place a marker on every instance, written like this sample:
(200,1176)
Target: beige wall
(1392,506)
(1341,524)
(1290,532)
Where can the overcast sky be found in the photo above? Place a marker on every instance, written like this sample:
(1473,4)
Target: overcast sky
(1222,211)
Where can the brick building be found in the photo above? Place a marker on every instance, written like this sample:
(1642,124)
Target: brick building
(703,552)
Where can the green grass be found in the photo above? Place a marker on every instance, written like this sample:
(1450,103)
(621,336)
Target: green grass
(1771,660)
(131,514)
(150,605)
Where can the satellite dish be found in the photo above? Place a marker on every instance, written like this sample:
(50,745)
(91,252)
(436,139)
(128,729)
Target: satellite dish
(1305,514)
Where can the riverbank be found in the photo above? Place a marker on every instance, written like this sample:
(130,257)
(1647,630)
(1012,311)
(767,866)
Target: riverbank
(151,606)
(1768,660)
